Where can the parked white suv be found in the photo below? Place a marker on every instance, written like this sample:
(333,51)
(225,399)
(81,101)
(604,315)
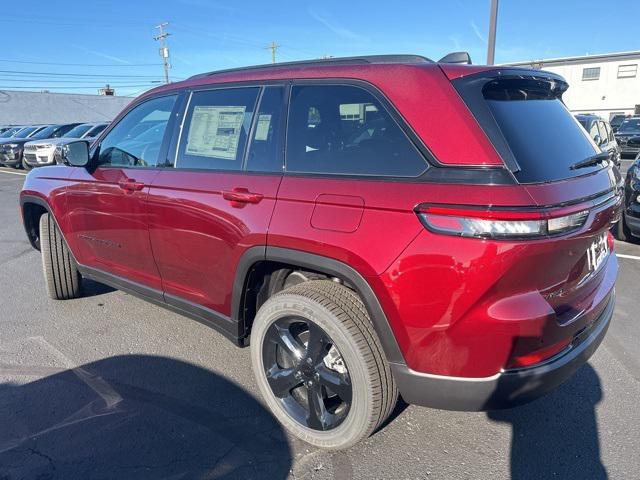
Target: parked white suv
(42,152)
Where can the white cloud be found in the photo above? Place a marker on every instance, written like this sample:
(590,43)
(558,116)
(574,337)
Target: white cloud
(102,55)
(477,32)
(337,29)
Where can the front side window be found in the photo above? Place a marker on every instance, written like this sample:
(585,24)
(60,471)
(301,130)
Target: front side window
(136,140)
(216,129)
(345,130)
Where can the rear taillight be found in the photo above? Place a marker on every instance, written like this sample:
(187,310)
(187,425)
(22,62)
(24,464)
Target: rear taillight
(500,223)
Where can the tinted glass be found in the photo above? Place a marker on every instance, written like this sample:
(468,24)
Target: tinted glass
(25,132)
(78,131)
(339,129)
(216,128)
(46,132)
(630,125)
(96,131)
(265,152)
(136,140)
(543,136)
(9,132)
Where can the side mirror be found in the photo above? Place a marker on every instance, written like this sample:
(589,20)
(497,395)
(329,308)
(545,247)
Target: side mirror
(597,140)
(76,154)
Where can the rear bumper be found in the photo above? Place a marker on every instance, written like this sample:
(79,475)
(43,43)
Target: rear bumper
(505,389)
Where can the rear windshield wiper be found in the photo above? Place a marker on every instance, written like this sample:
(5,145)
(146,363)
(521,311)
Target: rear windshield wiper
(590,161)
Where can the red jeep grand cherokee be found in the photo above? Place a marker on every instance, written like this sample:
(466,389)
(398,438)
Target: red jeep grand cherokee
(373,226)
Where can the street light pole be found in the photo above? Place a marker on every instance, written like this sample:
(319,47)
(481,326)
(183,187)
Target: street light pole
(493,20)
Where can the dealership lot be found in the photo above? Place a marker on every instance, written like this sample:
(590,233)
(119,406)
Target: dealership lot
(109,386)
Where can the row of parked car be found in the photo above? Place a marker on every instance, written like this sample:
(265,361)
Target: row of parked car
(28,146)
(621,140)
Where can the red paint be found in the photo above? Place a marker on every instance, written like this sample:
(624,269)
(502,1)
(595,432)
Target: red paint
(457,306)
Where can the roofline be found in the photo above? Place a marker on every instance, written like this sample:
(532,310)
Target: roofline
(323,62)
(630,55)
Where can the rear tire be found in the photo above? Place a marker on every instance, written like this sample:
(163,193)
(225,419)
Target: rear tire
(339,314)
(61,275)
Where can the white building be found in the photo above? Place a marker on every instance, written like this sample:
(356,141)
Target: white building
(605,84)
(26,108)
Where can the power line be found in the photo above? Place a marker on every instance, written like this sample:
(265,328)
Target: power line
(45,87)
(67,74)
(6,60)
(164,50)
(273,47)
(87,82)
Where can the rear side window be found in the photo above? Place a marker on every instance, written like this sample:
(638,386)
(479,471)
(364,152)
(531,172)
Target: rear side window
(530,126)
(216,129)
(265,149)
(344,130)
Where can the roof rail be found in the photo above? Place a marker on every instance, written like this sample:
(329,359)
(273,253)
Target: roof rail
(365,59)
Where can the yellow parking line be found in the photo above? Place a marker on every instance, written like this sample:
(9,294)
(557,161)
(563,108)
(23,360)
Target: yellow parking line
(632,257)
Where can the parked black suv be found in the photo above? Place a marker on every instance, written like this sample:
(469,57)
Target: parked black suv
(629,224)
(628,136)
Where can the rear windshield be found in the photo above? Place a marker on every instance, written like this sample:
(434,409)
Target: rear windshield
(536,134)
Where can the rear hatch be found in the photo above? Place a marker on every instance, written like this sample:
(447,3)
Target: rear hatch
(568,179)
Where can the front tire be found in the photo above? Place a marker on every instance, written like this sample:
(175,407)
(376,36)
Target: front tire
(25,165)
(61,275)
(320,366)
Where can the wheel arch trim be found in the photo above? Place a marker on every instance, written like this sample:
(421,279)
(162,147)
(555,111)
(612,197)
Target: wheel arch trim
(330,266)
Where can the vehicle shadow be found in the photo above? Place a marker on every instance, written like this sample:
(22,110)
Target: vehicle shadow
(557,436)
(137,417)
(94,289)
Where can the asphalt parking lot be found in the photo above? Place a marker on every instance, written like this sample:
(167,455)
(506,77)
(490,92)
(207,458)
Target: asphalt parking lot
(109,386)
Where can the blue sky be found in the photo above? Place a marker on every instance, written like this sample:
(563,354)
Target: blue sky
(114,44)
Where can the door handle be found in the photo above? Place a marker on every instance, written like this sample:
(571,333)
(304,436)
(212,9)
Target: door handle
(130,185)
(240,196)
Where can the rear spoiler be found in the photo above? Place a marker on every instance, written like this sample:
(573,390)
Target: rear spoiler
(462,58)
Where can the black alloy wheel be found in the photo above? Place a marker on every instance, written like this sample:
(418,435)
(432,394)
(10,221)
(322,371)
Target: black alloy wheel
(307,373)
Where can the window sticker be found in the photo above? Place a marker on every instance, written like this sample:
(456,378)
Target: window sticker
(262,129)
(215,131)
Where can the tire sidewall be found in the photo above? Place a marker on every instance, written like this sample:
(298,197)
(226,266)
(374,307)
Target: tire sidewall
(356,425)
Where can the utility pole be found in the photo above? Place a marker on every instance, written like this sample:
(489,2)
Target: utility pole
(273,47)
(164,50)
(493,20)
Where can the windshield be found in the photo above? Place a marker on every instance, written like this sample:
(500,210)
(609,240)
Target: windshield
(78,131)
(630,125)
(46,132)
(10,132)
(26,131)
